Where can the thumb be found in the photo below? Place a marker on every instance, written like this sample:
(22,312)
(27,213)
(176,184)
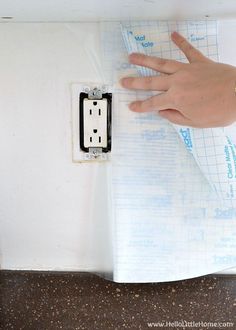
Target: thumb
(192,54)
(175,117)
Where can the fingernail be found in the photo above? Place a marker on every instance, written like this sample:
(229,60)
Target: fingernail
(174,34)
(134,56)
(123,81)
(132,106)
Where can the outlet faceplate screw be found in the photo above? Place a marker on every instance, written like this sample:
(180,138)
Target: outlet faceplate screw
(95,93)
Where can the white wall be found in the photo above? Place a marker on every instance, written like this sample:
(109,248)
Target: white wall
(46,220)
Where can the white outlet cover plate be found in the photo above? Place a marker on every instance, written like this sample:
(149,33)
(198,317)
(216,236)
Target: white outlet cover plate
(77,154)
(96,118)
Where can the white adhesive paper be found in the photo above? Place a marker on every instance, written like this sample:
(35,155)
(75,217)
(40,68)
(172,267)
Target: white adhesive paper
(213,150)
(173,203)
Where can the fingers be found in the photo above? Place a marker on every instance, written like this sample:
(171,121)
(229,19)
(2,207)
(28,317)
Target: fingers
(157,102)
(161,83)
(189,51)
(156,63)
(175,117)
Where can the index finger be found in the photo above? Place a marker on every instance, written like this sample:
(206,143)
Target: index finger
(192,53)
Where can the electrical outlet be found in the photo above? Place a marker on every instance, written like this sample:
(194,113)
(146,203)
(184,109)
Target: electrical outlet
(91,122)
(95,122)
(94,116)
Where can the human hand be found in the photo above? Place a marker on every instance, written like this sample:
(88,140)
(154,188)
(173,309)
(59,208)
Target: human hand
(200,93)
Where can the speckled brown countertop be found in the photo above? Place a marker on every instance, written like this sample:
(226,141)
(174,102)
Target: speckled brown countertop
(42,301)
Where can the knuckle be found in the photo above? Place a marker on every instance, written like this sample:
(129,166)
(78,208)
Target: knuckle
(150,103)
(183,42)
(189,48)
(186,46)
(162,62)
(148,81)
